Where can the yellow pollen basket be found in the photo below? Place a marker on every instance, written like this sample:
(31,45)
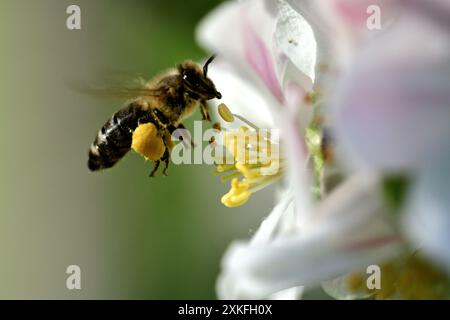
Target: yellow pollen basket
(147,142)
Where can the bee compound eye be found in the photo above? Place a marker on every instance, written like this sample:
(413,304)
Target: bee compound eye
(186,76)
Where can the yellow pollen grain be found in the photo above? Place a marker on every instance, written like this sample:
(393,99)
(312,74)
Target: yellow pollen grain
(147,142)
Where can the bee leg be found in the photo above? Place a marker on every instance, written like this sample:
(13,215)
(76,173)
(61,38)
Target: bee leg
(155,168)
(186,138)
(166,159)
(205,112)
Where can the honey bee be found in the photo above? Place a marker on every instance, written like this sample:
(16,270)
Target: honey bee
(163,103)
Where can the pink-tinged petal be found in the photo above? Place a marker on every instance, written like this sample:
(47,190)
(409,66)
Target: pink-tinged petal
(261,60)
(355,17)
(355,13)
(372,242)
(242,33)
(292,122)
(220,32)
(296,155)
(258,21)
(393,106)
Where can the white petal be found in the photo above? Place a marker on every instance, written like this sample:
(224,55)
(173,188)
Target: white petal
(326,31)
(294,293)
(340,243)
(295,37)
(315,13)
(295,153)
(427,217)
(272,224)
(242,97)
(218,31)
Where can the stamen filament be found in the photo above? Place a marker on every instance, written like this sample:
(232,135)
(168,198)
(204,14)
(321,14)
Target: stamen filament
(251,124)
(230,176)
(222,168)
(265,184)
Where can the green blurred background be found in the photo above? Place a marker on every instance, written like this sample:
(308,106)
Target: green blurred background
(133,237)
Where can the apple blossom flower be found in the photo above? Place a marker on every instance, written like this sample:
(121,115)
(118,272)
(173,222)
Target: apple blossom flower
(386,98)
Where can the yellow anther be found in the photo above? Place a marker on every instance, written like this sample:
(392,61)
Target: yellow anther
(405,278)
(310,97)
(355,281)
(225,113)
(147,142)
(252,159)
(243,130)
(238,194)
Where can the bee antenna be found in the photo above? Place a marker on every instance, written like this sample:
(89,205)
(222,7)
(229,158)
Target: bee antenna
(205,67)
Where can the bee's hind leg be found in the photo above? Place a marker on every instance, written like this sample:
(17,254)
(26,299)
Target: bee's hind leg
(155,168)
(166,159)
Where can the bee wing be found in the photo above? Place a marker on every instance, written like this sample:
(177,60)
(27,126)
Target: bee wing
(116,86)
(119,92)
(126,92)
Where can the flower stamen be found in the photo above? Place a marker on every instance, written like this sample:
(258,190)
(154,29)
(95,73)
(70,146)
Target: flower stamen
(255,156)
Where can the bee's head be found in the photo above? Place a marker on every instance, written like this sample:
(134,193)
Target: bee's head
(196,80)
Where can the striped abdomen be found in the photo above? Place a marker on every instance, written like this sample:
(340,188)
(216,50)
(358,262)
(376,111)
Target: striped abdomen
(113,140)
